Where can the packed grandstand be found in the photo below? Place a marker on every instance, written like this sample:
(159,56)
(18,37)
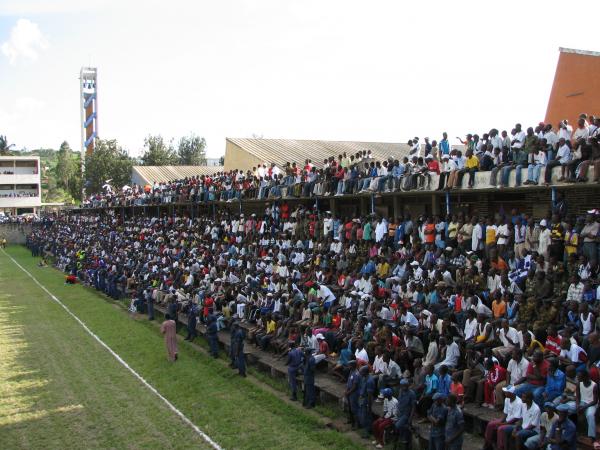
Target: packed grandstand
(500,311)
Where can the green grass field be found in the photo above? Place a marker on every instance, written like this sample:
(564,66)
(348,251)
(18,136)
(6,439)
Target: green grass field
(60,389)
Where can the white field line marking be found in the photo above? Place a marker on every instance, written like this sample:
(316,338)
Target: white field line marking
(183,417)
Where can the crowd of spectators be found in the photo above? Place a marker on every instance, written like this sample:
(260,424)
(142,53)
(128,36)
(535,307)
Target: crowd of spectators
(498,153)
(499,311)
(20,194)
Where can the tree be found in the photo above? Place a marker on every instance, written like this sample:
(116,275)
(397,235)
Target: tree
(4,146)
(65,168)
(158,153)
(68,170)
(191,151)
(107,161)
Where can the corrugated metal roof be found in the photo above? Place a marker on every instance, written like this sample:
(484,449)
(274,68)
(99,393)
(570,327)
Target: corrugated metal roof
(281,151)
(578,52)
(151,174)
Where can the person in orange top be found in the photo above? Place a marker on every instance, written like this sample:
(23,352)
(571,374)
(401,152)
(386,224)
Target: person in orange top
(458,389)
(497,262)
(429,231)
(499,308)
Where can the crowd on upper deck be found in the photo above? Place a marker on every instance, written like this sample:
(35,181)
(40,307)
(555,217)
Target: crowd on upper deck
(541,150)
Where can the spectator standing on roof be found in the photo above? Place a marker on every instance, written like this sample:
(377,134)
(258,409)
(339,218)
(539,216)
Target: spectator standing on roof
(444,145)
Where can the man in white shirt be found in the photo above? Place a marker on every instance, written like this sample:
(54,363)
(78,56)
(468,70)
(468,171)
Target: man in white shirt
(544,239)
(515,374)
(550,136)
(529,425)
(477,236)
(380,230)
(327,224)
(519,137)
(509,338)
(452,355)
(325,294)
(408,318)
(495,431)
(534,169)
(502,235)
(565,130)
(360,353)
(582,131)
(563,157)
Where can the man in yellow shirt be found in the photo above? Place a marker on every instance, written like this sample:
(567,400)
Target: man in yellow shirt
(383,269)
(270,328)
(471,165)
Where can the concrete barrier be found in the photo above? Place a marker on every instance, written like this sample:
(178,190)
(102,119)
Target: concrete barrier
(14,234)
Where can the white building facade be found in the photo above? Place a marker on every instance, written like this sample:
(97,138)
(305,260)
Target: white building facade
(20,184)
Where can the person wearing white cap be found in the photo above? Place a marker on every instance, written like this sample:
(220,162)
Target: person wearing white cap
(545,239)
(512,412)
(322,348)
(448,168)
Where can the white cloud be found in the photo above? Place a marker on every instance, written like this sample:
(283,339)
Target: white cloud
(26,40)
(29,104)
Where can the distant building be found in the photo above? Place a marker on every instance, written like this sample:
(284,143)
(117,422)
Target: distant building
(248,153)
(213,162)
(576,87)
(20,184)
(143,175)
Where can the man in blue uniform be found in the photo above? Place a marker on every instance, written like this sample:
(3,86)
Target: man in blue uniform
(563,434)
(455,425)
(192,321)
(309,378)
(294,362)
(352,393)
(149,303)
(240,357)
(365,399)
(407,401)
(437,415)
(211,335)
(232,344)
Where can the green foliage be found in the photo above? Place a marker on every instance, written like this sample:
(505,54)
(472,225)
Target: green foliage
(4,146)
(158,152)
(108,162)
(68,171)
(191,151)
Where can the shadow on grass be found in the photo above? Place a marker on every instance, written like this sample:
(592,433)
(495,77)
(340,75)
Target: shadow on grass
(24,411)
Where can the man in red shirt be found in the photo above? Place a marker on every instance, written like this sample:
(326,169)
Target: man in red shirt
(432,164)
(552,343)
(535,376)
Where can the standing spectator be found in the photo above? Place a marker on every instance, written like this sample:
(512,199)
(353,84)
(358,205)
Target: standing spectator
(168,330)
(437,416)
(590,234)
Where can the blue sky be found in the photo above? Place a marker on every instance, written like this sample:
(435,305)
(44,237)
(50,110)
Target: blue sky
(341,70)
